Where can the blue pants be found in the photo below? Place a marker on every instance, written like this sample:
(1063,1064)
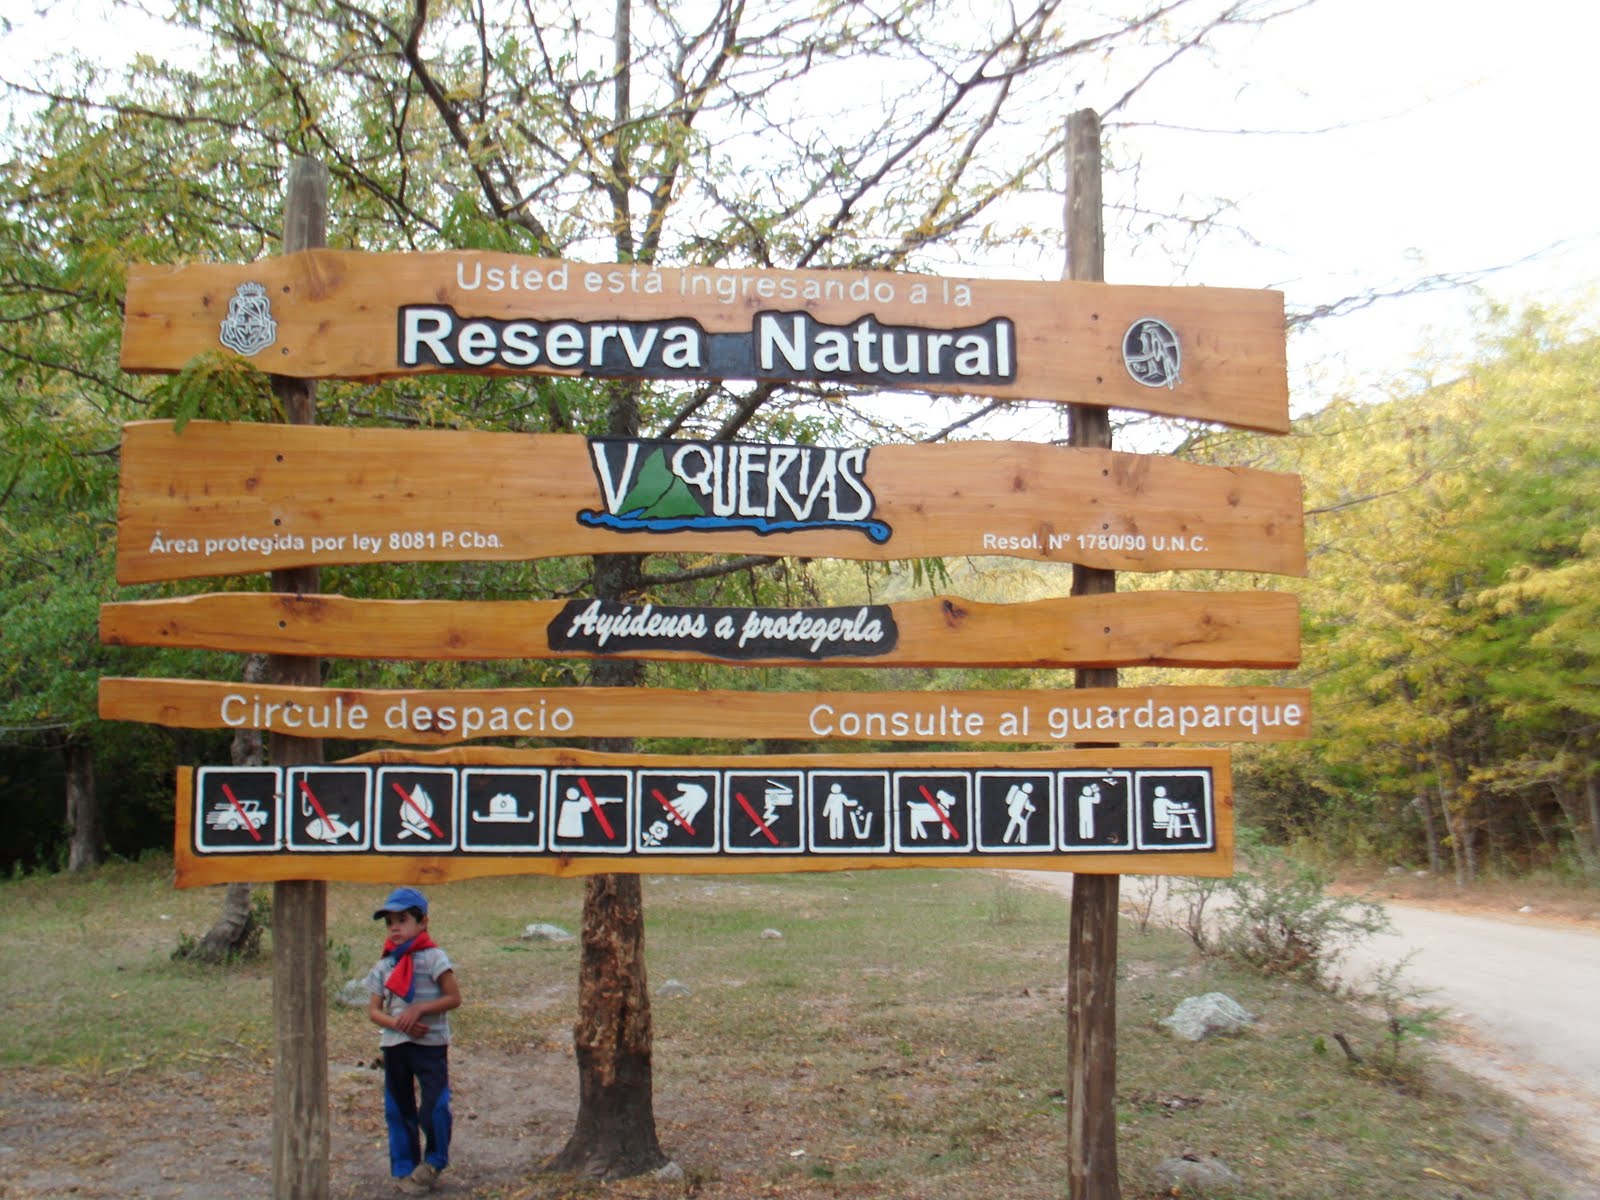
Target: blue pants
(405,1068)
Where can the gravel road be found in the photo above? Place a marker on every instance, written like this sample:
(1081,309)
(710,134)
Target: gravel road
(1521,997)
(1523,1000)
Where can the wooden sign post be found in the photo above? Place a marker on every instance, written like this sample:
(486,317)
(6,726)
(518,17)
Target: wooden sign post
(212,499)
(300,1133)
(1092,932)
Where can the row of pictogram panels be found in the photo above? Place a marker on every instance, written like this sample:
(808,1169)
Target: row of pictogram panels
(405,809)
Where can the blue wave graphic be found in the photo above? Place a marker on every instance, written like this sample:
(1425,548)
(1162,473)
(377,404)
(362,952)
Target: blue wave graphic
(876,531)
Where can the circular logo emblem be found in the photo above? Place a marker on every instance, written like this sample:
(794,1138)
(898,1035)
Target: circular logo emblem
(1150,350)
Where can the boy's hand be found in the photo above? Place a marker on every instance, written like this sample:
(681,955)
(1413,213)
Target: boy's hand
(409,1021)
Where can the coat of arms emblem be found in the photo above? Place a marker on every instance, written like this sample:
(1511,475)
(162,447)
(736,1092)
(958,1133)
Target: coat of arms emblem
(249,328)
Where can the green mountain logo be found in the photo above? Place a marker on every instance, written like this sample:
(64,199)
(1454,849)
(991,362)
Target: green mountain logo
(658,493)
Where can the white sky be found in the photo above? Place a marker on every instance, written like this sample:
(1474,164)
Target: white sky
(1465,146)
(1462,139)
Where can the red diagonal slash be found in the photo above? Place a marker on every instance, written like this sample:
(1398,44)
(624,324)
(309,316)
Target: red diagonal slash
(315,803)
(243,816)
(938,812)
(594,807)
(405,796)
(672,812)
(751,813)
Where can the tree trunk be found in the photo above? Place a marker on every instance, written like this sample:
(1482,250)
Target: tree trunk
(614,1136)
(1430,832)
(83,811)
(615,1133)
(1591,788)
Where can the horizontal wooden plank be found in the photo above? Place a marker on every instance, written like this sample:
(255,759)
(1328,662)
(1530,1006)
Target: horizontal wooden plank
(1187,629)
(401,816)
(434,717)
(221,499)
(344,314)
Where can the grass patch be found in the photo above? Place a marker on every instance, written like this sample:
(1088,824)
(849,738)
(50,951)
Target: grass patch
(905,1037)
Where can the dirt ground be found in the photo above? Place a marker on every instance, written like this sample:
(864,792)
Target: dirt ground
(60,1137)
(205,1134)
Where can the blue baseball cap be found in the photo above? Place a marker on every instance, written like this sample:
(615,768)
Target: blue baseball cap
(401,899)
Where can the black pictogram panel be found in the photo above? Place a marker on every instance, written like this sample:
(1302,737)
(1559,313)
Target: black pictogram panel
(503,809)
(1096,809)
(849,812)
(416,809)
(932,812)
(329,808)
(763,812)
(591,811)
(1016,812)
(1174,810)
(238,809)
(678,812)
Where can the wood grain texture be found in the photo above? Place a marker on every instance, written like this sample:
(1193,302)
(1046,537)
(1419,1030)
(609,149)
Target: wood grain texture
(336,314)
(221,499)
(423,718)
(193,870)
(1165,629)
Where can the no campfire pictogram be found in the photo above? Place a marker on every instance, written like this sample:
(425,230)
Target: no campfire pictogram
(416,809)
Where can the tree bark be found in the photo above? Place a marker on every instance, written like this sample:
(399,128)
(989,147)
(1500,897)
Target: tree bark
(615,1133)
(83,810)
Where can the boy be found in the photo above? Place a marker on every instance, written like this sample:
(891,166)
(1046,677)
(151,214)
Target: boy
(413,987)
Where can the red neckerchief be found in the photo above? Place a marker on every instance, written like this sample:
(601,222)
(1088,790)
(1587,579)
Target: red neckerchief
(402,980)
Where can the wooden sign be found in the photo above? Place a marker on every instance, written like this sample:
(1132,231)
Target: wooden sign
(1168,629)
(429,717)
(401,817)
(1215,354)
(220,499)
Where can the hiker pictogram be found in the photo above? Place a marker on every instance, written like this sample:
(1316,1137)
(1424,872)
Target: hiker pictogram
(678,812)
(761,812)
(416,809)
(329,808)
(591,810)
(1095,809)
(849,812)
(1174,809)
(236,809)
(1016,812)
(933,811)
(504,807)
